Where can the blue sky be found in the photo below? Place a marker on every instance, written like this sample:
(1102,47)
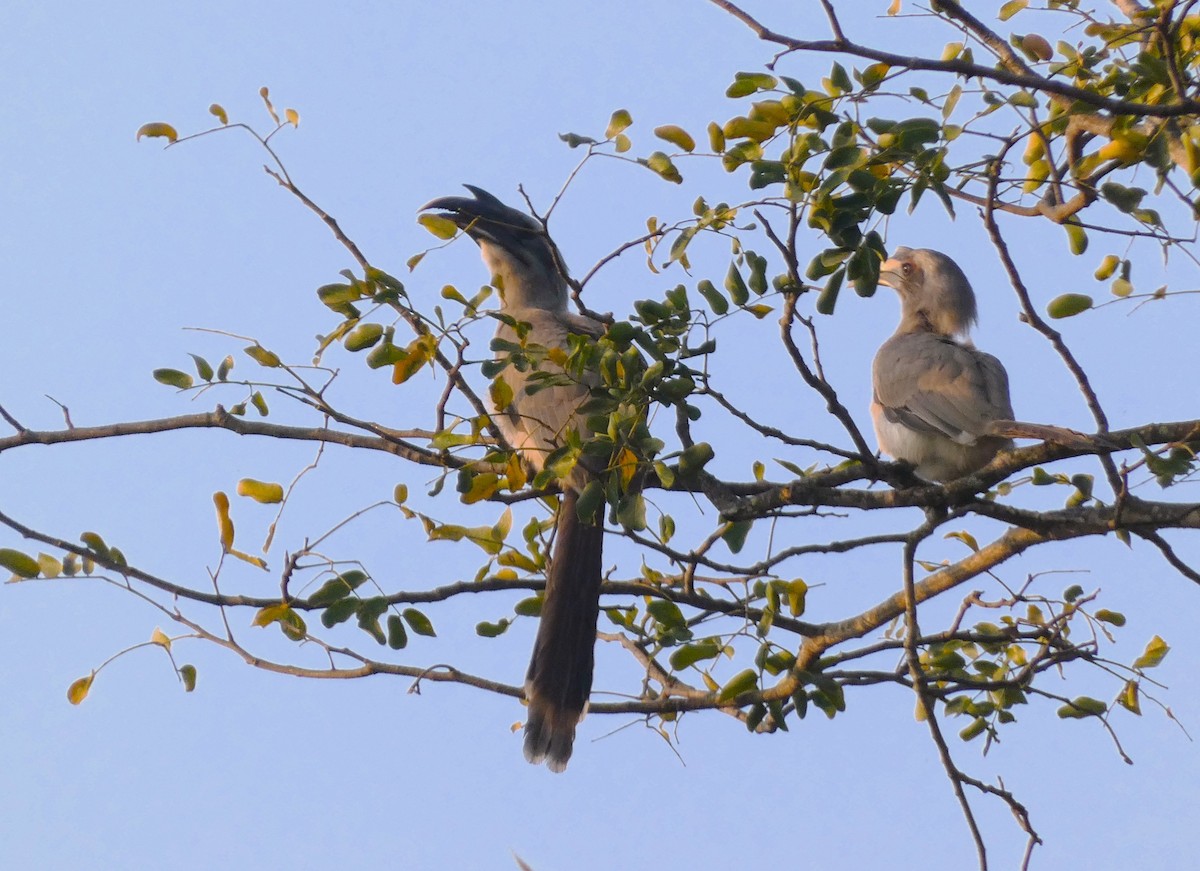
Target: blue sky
(109,247)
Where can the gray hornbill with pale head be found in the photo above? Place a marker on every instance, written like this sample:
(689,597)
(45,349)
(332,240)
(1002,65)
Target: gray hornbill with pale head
(939,403)
(533,307)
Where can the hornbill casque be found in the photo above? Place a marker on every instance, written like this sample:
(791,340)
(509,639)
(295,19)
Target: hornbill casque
(939,403)
(533,291)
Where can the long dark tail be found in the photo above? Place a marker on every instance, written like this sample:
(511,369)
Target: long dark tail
(559,680)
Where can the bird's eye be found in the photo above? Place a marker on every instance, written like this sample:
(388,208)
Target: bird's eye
(907,269)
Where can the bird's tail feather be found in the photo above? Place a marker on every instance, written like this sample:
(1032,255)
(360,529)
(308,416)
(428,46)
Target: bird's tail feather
(559,679)
(1016,429)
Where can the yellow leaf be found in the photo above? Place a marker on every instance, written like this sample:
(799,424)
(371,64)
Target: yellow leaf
(50,566)
(797,590)
(253,560)
(260,491)
(501,393)
(676,136)
(627,463)
(1120,149)
(78,691)
(439,226)
(419,352)
(482,486)
(293,117)
(515,472)
(157,128)
(219,111)
(716,137)
(160,638)
(894,9)
(224,523)
(1039,170)
(557,355)
(619,121)
(1011,8)
(268,615)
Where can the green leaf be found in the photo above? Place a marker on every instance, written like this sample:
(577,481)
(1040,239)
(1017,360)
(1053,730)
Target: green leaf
(694,458)
(745,84)
(1125,199)
(262,356)
(1082,707)
(95,544)
(362,337)
(742,682)
(1068,305)
(187,674)
(225,368)
(418,622)
(1114,617)
(20,564)
(827,300)
(631,511)
(690,654)
(977,727)
(203,368)
(491,630)
(337,588)
(1077,239)
(529,607)
(338,298)
(716,301)
(735,534)
(1154,653)
(339,612)
(173,378)
(659,163)
(397,637)
(736,286)
(667,613)
(590,500)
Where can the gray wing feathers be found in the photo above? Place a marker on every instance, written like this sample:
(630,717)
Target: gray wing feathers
(933,384)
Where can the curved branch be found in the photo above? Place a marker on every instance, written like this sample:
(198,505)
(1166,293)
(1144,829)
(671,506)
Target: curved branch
(957,67)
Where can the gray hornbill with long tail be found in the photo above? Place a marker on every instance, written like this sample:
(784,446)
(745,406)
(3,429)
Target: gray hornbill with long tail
(533,311)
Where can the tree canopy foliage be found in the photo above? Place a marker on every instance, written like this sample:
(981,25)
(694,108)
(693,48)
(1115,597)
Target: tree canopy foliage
(1087,123)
